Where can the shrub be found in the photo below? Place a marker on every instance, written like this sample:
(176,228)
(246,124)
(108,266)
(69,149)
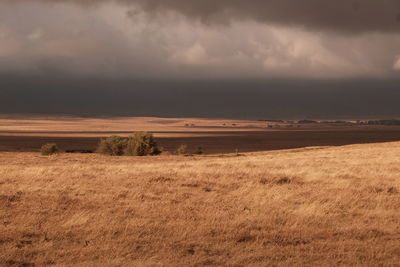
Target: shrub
(199,151)
(113,146)
(181,150)
(49,149)
(142,144)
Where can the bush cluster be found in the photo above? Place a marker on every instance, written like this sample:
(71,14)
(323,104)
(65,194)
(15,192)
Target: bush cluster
(182,150)
(138,144)
(49,149)
(142,144)
(199,151)
(113,146)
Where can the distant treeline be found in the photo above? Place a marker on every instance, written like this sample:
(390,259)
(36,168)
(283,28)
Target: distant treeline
(384,122)
(306,121)
(281,121)
(365,122)
(340,122)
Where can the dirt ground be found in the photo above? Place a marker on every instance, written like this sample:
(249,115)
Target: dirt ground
(216,142)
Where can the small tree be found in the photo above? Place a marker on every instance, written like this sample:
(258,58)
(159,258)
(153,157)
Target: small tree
(113,146)
(49,149)
(142,144)
(181,150)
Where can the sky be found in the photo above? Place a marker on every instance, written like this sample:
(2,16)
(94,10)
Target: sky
(213,58)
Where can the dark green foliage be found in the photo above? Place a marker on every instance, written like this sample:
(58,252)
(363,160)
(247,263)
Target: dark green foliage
(49,149)
(182,150)
(138,144)
(113,146)
(142,144)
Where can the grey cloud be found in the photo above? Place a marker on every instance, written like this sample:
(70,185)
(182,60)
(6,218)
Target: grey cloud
(350,16)
(338,15)
(102,41)
(61,58)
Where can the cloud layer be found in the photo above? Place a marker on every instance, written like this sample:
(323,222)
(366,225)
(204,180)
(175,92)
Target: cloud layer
(185,39)
(351,16)
(338,15)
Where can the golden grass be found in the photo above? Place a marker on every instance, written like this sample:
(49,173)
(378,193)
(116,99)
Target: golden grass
(315,206)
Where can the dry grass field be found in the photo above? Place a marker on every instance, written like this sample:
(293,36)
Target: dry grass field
(313,206)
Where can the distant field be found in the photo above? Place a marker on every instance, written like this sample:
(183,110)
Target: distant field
(325,206)
(21,124)
(213,135)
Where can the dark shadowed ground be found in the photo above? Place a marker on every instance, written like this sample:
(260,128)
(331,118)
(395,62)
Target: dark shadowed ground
(222,142)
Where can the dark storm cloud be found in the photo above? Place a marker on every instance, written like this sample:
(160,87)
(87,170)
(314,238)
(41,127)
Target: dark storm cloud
(337,15)
(253,99)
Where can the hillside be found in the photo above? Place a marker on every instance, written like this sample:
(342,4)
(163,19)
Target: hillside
(315,206)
